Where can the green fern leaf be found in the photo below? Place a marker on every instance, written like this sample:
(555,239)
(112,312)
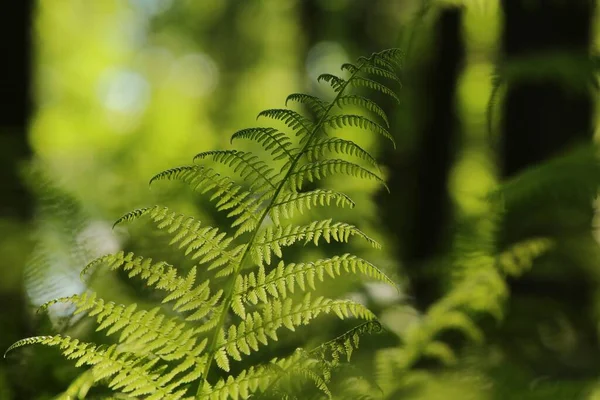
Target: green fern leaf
(237,311)
(202,244)
(317,170)
(348,120)
(316,105)
(271,139)
(228,195)
(247,165)
(362,102)
(338,84)
(358,81)
(293,202)
(284,278)
(299,124)
(372,69)
(340,146)
(272,239)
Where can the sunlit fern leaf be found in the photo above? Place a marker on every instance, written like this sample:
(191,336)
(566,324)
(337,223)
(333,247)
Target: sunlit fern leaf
(256,381)
(228,195)
(317,170)
(301,125)
(271,139)
(315,104)
(124,371)
(163,276)
(339,146)
(272,239)
(363,102)
(241,308)
(142,332)
(347,342)
(247,165)
(292,203)
(261,326)
(253,288)
(202,244)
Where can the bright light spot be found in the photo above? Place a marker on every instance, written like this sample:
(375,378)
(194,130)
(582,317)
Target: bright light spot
(383,293)
(99,238)
(124,91)
(195,74)
(325,57)
(151,7)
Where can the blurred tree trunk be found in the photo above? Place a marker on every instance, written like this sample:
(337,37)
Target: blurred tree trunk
(542,118)
(422,231)
(15,203)
(15,88)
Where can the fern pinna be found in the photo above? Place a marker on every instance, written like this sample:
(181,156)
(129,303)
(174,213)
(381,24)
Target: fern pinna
(248,297)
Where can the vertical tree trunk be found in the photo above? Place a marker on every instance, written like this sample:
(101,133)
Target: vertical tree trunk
(15,202)
(423,232)
(542,118)
(15,89)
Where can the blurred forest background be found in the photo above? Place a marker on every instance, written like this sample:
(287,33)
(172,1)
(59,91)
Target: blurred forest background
(98,96)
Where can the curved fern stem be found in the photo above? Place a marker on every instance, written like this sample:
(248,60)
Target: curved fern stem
(229,291)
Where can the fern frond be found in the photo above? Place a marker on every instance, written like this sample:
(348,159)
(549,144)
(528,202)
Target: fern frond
(350,120)
(271,139)
(340,146)
(264,378)
(372,69)
(227,194)
(317,170)
(142,332)
(202,244)
(164,276)
(247,165)
(243,386)
(390,59)
(252,288)
(359,81)
(161,274)
(293,202)
(347,342)
(337,83)
(219,320)
(126,373)
(518,258)
(301,125)
(360,101)
(272,239)
(258,327)
(315,104)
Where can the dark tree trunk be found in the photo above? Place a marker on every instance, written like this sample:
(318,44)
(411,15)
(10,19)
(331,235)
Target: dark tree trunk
(542,118)
(422,233)
(15,202)
(15,108)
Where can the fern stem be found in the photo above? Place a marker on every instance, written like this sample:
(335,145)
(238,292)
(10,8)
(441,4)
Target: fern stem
(229,291)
